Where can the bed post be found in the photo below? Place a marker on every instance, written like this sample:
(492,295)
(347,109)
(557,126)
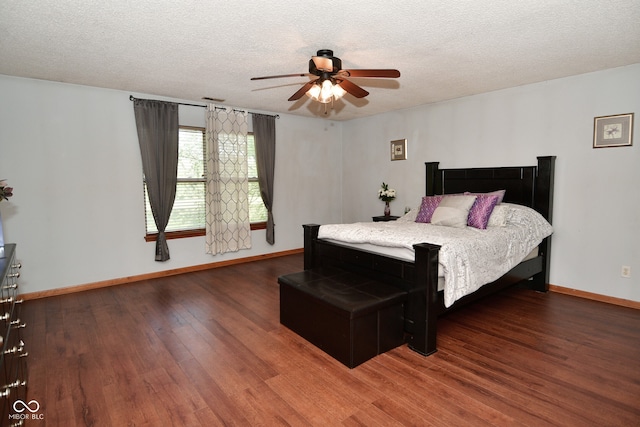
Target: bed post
(543,203)
(544,186)
(310,236)
(423,300)
(433,180)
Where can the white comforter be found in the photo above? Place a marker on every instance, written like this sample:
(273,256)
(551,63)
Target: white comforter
(469,257)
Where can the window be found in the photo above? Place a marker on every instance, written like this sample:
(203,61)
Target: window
(257,210)
(187,216)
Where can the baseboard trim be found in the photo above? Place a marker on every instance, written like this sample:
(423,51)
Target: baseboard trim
(595,297)
(132,279)
(155,275)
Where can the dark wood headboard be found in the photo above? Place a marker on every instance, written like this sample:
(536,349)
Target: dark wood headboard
(525,185)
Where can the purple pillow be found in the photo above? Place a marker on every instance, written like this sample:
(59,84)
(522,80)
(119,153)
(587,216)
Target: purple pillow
(499,193)
(481,210)
(428,206)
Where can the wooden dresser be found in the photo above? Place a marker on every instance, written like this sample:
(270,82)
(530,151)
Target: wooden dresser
(13,367)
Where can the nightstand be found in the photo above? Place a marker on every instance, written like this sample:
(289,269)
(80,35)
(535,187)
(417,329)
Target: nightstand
(383,218)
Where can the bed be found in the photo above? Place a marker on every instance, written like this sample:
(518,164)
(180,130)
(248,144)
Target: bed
(530,186)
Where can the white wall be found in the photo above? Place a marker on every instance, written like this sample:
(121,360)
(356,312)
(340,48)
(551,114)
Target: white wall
(597,200)
(71,153)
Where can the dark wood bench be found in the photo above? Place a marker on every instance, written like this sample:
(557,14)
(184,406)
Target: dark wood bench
(351,317)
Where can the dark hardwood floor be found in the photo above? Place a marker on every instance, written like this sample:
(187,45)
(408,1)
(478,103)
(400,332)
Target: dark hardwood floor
(207,348)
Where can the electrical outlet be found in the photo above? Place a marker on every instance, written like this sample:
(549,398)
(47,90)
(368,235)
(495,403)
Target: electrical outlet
(626,271)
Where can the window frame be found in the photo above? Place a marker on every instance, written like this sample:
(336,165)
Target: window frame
(196,232)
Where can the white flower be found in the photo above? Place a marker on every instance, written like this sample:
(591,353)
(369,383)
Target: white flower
(385,193)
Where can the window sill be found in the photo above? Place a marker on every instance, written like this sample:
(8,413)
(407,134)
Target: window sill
(152,237)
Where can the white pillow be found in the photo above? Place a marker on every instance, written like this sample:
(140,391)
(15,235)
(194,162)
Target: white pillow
(453,211)
(500,216)
(409,216)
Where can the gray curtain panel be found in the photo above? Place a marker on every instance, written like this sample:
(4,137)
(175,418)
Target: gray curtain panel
(157,124)
(264,132)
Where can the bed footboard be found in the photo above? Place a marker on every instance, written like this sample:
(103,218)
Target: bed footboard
(419,279)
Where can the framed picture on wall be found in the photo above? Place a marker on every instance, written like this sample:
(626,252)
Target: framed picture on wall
(613,131)
(399,149)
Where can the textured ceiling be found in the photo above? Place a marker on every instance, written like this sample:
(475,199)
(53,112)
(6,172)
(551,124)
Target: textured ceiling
(195,48)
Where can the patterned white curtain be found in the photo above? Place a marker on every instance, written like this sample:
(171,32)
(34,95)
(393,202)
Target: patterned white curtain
(227,200)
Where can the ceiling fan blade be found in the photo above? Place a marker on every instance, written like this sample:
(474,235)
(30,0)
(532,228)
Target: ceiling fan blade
(281,75)
(370,73)
(302,90)
(353,88)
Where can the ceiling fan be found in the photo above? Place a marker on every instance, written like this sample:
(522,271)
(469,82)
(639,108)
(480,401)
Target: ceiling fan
(332,80)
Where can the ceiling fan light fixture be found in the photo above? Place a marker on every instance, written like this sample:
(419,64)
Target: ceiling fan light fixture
(326,91)
(314,92)
(338,91)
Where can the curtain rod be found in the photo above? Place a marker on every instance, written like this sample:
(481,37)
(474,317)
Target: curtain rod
(131,98)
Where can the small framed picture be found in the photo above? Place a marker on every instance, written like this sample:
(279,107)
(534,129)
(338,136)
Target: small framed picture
(399,149)
(613,131)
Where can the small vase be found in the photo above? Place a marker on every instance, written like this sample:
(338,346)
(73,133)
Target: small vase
(387,209)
